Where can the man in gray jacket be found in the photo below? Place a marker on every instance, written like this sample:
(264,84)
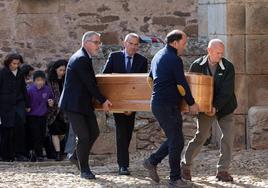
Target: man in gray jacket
(224,104)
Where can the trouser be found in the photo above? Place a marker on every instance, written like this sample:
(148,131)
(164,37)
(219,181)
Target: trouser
(7,143)
(170,120)
(87,130)
(124,130)
(204,124)
(71,140)
(37,131)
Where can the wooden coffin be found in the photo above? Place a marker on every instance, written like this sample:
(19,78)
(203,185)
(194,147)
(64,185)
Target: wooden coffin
(130,92)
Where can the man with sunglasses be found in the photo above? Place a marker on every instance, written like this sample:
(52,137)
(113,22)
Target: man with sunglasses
(125,61)
(76,100)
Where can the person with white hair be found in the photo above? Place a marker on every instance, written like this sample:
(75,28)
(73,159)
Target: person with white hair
(80,87)
(224,104)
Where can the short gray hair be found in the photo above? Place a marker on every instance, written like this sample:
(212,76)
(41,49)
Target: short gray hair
(134,35)
(214,42)
(87,35)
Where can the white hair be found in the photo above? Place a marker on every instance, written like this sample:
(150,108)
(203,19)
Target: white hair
(87,35)
(214,42)
(134,35)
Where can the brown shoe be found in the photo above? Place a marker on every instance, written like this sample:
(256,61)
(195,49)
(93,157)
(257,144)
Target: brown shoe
(224,176)
(186,174)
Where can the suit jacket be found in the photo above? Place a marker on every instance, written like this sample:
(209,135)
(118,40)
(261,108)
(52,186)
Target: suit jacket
(116,63)
(80,85)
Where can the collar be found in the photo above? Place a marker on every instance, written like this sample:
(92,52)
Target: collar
(171,49)
(205,59)
(84,49)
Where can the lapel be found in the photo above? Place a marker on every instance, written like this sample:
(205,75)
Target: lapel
(123,63)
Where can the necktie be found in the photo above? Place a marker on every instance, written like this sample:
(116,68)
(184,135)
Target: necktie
(128,64)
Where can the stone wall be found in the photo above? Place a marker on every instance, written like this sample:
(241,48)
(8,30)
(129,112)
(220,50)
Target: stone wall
(44,31)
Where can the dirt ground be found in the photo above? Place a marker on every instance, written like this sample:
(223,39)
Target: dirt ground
(249,168)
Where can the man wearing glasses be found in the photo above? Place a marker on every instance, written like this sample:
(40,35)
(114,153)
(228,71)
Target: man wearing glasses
(125,61)
(76,100)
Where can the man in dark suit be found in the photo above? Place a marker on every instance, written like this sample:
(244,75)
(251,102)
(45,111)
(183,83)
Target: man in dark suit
(76,99)
(126,61)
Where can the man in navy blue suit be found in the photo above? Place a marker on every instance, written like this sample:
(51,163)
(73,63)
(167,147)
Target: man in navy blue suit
(126,61)
(76,100)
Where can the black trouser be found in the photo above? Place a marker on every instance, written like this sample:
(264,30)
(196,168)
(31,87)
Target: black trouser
(124,129)
(37,131)
(87,130)
(7,143)
(170,120)
(20,137)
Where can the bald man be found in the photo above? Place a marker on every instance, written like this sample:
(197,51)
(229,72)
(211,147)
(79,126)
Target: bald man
(224,104)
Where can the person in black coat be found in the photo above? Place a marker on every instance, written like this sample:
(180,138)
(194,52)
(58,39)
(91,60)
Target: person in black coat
(76,99)
(13,102)
(126,61)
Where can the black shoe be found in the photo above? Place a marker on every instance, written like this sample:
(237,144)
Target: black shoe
(58,157)
(123,171)
(88,175)
(152,170)
(74,161)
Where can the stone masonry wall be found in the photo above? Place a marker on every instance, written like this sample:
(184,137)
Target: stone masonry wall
(46,30)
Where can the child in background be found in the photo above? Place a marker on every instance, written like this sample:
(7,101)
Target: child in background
(41,98)
(27,72)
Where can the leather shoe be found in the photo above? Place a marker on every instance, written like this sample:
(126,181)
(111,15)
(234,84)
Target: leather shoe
(224,176)
(123,171)
(152,170)
(186,174)
(88,175)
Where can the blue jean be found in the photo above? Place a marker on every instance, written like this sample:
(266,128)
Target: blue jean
(170,120)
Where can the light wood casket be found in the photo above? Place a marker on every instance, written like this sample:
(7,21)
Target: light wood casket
(130,92)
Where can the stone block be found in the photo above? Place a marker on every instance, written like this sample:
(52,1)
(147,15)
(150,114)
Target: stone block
(241,91)
(109,38)
(256,17)
(33,6)
(217,23)
(235,52)
(202,20)
(235,16)
(168,20)
(110,18)
(258,90)
(256,52)
(257,125)
(105,144)
(191,30)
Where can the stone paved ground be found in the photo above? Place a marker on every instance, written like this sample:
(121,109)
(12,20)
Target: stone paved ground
(250,169)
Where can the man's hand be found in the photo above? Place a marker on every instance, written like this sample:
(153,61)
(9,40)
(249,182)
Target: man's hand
(106,105)
(194,109)
(212,113)
(28,109)
(50,102)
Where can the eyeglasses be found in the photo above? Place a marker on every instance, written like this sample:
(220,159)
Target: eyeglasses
(96,42)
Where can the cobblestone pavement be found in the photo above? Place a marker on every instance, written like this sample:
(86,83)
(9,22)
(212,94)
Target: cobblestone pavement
(249,168)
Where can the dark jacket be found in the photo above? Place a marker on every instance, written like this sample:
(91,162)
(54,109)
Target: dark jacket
(116,63)
(167,73)
(13,97)
(80,85)
(224,99)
